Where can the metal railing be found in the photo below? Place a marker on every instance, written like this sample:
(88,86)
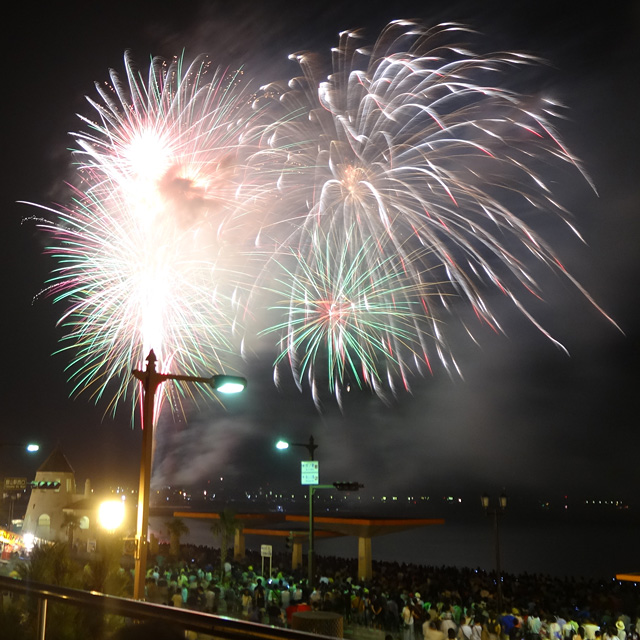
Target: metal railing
(217,626)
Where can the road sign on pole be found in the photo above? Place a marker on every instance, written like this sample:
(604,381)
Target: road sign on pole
(265,552)
(309,472)
(15,484)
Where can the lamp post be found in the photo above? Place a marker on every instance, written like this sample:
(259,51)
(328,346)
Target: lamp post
(310,446)
(496,512)
(151,381)
(30,447)
(340,486)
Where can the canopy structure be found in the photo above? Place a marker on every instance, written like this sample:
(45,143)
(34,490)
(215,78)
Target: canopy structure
(628,577)
(284,525)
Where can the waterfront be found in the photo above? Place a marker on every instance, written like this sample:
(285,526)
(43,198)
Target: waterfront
(597,548)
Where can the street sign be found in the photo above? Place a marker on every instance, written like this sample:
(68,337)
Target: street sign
(309,473)
(265,552)
(15,484)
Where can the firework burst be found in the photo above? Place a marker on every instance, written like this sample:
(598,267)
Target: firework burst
(418,144)
(373,195)
(353,314)
(143,256)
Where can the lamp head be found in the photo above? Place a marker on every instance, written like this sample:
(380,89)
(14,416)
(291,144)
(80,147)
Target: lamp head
(228,384)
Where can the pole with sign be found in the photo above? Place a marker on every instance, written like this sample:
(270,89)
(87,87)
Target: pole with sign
(266,551)
(309,472)
(15,484)
(13,487)
(310,476)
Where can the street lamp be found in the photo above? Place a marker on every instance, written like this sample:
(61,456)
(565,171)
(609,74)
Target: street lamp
(497,513)
(340,486)
(310,446)
(10,483)
(151,380)
(29,448)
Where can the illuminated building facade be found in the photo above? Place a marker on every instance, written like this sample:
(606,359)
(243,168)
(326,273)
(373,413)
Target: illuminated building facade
(58,513)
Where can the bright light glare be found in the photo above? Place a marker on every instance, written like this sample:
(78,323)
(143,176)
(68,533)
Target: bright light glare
(111,514)
(29,541)
(31,448)
(228,384)
(281,444)
(231,387)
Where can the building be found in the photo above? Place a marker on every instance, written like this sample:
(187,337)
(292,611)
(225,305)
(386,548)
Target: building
(61,514)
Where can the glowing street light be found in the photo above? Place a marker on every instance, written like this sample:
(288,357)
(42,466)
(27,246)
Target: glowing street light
(227,384)
(30,447)
(310,446)
(151,380)
(111,514)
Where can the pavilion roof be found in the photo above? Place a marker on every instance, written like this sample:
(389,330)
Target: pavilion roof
(279,524)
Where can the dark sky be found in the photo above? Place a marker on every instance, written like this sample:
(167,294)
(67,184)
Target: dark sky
(526,417)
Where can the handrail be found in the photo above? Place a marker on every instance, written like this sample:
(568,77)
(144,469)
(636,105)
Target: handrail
(219,626)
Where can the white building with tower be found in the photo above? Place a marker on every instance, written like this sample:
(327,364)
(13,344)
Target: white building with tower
(60,513)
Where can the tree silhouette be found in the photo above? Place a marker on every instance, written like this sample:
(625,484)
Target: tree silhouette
(225,529)
(70,523)
(177,528)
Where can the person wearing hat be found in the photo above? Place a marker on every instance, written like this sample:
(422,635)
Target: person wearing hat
(621,631)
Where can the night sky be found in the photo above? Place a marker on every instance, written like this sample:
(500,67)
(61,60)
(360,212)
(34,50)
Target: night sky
(526,417)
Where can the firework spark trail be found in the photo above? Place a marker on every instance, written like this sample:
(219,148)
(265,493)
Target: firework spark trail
(373,196)
(142,253)
(344,311)
(416,149)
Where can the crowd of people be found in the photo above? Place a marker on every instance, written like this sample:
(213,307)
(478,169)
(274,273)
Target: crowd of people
(404,600)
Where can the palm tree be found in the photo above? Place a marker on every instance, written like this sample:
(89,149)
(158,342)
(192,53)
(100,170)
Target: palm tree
(176,528)
(225,529)
(52,564)
(70,523)
(102,572)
